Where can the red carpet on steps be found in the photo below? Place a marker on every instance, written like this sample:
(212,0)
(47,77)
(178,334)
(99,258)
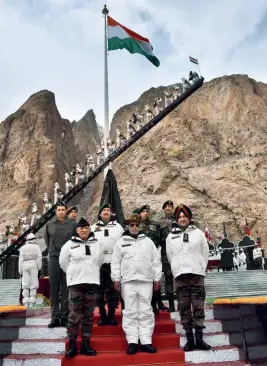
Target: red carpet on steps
(111,345)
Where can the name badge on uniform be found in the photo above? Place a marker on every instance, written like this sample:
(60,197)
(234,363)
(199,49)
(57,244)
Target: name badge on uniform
(186,238)
(76,246)
(126,245)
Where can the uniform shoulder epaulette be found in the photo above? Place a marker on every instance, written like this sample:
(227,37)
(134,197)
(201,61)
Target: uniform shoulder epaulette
(141,236)
(127,238)
(76,239)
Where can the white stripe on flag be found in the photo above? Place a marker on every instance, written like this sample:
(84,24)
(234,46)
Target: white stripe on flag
(194,60)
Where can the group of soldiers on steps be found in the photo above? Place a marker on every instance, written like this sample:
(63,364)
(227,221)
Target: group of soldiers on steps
(105,263)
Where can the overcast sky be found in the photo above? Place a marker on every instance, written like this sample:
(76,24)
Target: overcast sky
(58,45)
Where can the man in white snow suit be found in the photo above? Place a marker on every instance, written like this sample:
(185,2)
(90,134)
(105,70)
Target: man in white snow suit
(108,229)
(257,257)
(81,258)
(242,259)
(188,254)
(30,262)
(136,270)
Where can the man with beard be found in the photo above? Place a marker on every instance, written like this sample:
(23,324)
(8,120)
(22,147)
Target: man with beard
(72,213)
(109,231)
(165,222)
(136,269)
(81,258)
(152,230)
(188,254)
(57,232)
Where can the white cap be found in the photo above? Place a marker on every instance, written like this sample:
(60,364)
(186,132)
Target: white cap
(30,236)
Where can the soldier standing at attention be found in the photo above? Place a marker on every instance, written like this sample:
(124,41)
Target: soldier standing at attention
(188,254)
(109,231)
(81,258)
(57,232)
(165,222)
(152,230)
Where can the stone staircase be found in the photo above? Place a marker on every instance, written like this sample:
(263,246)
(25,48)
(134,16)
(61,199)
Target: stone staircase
(26,341)
(223,333)
(234,283)
(10,292)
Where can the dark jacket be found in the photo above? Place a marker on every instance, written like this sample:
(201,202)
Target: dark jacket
(57,234)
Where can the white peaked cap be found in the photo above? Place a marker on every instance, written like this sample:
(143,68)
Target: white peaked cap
(30,236)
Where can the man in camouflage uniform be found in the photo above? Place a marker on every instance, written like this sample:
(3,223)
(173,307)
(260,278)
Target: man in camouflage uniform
(152,230)
(188,253)
(165,221)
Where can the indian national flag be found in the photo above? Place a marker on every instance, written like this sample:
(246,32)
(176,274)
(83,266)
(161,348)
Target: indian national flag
(120,37)
(194,60)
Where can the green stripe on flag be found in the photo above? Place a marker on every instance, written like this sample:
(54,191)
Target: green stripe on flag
(132,46)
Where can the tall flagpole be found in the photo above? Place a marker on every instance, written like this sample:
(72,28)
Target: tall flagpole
(199,69)
(105,12)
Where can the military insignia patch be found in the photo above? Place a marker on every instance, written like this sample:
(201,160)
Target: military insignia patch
(97,228)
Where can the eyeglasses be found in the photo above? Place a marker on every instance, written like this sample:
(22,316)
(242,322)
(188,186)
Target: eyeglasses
(132,225)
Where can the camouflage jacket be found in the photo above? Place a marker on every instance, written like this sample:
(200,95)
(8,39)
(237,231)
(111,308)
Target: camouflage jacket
(152,230)
(165,225)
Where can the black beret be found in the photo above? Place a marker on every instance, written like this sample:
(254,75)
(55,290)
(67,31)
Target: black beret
(106,205)
(72,208)
(145,207)
(82,223)
(169,202)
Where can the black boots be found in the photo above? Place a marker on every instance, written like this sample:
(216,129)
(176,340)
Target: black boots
(190,345)
(154,306)
(72,352)
(132,349)
(171,303)
(103,316)
(159,301)
(111,313)
(54,323)
(64,322)
(200,344)
(148,348)
(86,349)
(107,319)
(162,307)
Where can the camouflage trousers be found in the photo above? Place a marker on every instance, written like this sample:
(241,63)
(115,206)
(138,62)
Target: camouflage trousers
(82,302)
(106,289)
(168,277)
(190,292)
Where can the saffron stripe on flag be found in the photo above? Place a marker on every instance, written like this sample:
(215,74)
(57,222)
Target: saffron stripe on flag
(194,60)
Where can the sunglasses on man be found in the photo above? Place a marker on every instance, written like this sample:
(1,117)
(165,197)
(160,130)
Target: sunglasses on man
(132,225)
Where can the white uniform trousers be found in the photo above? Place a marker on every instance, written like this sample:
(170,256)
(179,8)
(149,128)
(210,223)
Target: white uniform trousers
(138,318)
(30,282)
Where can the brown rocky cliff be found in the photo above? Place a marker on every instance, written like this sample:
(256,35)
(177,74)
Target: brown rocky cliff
(34,156)
(86,136)
(210,153)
